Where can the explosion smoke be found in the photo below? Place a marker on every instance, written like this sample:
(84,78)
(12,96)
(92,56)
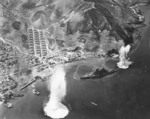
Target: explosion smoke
(124,62)
(54,108)
(64,6)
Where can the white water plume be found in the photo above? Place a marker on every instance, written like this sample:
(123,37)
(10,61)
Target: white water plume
(124,61)
(54,108)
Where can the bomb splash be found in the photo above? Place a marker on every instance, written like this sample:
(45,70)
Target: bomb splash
(124,61)
(54,108)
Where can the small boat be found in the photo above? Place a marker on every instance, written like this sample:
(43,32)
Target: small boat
(8,105)
(34,91)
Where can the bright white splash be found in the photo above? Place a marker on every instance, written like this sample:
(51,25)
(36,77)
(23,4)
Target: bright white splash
(124,62)
(54,108)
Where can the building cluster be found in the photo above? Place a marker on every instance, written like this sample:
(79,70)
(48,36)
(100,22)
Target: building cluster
(8,58)
(37,43)
(8,63)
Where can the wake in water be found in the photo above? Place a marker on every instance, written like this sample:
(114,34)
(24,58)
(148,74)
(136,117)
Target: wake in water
(54,108)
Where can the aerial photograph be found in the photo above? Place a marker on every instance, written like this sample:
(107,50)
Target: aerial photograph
(74,59)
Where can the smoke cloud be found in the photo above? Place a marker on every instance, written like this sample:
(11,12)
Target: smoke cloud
(54,108)
(76,17)
(124,61)
(67,7)
(64,6)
